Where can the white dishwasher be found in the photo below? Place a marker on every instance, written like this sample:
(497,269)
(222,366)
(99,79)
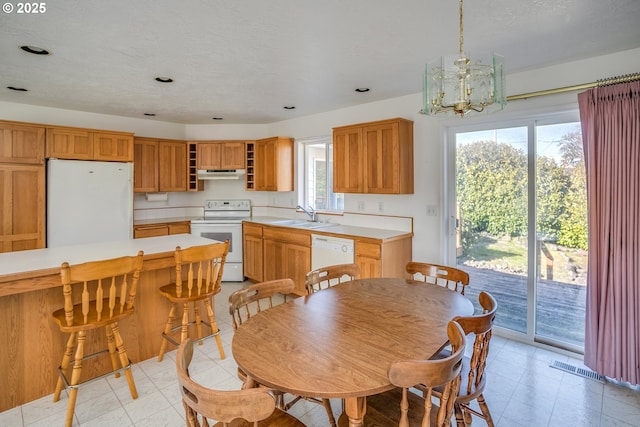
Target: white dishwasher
(327,250)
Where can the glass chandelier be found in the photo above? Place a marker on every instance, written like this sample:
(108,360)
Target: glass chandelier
(463,84)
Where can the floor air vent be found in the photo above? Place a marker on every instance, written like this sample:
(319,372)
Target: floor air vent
(581,372)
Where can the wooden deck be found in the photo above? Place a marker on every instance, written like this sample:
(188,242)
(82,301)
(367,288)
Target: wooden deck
(560,306)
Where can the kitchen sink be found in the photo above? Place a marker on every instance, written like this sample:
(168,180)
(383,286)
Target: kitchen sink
(301,224)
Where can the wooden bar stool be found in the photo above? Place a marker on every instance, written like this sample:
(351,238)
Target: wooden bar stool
(107,296)
(198,276)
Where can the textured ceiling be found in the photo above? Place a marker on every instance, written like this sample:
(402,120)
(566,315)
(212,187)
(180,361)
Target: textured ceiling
(244,60)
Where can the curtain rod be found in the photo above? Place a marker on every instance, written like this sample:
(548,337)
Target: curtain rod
(604,82)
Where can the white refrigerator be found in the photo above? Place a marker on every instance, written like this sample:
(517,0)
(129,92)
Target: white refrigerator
(88,202)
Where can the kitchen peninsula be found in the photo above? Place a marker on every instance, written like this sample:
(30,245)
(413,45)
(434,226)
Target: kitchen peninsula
(30,291)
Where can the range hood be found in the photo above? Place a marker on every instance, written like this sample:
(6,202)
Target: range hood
(220,174)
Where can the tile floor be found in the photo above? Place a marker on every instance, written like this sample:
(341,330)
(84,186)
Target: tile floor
(522,390)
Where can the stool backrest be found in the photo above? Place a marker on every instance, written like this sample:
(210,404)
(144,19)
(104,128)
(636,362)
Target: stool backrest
(199,268)
(108,288)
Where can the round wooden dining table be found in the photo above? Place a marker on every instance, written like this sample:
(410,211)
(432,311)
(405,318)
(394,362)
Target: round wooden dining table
(340,342)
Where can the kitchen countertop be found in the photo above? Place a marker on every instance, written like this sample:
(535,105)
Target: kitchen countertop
(41,262)
(337,229)
(164,220)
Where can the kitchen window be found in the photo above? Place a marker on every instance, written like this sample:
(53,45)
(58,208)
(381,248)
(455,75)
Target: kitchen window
(317,173)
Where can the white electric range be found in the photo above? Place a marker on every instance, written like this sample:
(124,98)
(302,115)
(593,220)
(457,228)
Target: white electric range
(223,221)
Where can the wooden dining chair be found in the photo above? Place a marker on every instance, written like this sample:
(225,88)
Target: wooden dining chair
(325,277)
(473,378)
(258,297)
(401,407)
(198,276)
(107,292)
(449,277)
(234,408)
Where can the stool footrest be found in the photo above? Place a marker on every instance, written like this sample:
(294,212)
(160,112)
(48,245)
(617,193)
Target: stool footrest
(90,356)
(195,340)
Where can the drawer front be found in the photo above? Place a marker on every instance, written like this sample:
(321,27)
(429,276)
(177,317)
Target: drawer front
(252,230)
(370,250)
(150,231)
(288,235)
(180,228)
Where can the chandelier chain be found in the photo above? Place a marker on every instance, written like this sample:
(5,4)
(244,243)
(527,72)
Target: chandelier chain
(461,32)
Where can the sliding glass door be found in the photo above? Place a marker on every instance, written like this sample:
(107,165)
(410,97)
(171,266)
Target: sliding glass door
(517,210)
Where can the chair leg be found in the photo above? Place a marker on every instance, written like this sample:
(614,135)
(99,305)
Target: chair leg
(75,378)
(214,327)
(167,331)
(196,311)
(124,359)
(112,349)
(460,415)
(327,406)
(485,410)
(184,332)
(64,366)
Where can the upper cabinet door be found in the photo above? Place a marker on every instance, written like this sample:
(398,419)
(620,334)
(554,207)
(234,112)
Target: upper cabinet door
(209,154)
(381,152)
(172,161)
(21,143)
(67,143)
(145,165)
(347,160)
(114,146)
(233,155)
(273,159)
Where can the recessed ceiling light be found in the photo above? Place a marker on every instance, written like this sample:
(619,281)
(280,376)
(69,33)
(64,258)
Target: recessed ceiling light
(362,89)
(289,107)
(216,118)
(150,114)
(17,89)
(164,79)
(35,50)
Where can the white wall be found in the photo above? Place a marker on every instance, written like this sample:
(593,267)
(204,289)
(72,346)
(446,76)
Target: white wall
(428,140)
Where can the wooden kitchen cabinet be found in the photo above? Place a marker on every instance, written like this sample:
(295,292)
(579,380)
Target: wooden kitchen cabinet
(348,160)
(145,165)
(159,165)
(252,252)
(112,146)
(22,213)
(21,143)
(386,258)
(67,143)
(87,144)
(161,229)
(172,169)
(22,187)
(375,157)
(272,160)
(287,254)
(221,155)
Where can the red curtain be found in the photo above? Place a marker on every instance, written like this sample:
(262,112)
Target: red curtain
(610,119)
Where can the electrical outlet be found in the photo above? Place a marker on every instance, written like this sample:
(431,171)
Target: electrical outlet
(380,206)
(432,210)
(361,206)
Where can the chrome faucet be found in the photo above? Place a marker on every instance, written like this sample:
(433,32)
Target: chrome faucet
(309,211)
